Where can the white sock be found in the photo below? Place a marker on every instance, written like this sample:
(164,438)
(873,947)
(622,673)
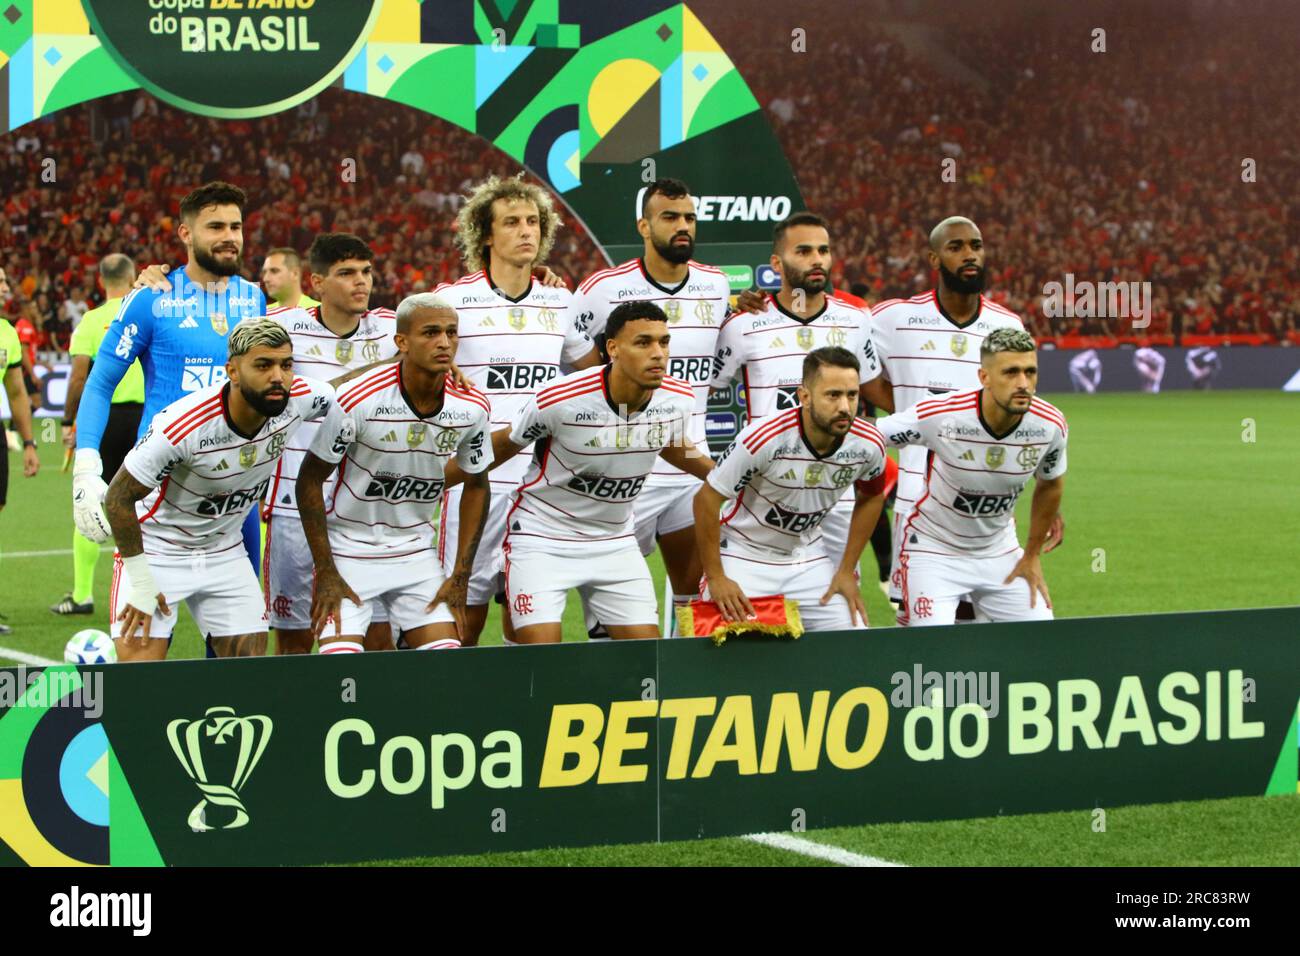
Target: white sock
(439,645)
(342,647)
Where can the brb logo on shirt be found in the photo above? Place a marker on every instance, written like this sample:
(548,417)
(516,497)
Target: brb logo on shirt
(214,506)
(200,373)
(698,370)
(610,489)
(793,521)
(519,378)
(403,487)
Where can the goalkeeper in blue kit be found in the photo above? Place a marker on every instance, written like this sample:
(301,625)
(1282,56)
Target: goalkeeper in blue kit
(179,335)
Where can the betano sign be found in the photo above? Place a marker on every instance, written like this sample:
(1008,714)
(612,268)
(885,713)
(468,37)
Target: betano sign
(303,760)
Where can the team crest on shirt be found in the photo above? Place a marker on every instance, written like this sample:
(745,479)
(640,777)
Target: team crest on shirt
(517,319)
(994,456)
(673,309)
(219,324)
(704,313)
(1027,457)
(837,337)
(548,320)
(842,476)
(248,455)
(958,344)
(343,350)
(655,435)
(275,445)
(370,352)
(804,338)
(812,475)
(447,439)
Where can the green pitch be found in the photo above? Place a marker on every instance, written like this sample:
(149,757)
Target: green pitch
(1174,502)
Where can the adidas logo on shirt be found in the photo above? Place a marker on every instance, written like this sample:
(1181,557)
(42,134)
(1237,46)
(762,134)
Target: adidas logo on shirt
(777,343)
(486,322)
(223,466)
(789,475)
(594,443)
(189,323)
(314,350)
(967,456)
(391,436)
(928,346)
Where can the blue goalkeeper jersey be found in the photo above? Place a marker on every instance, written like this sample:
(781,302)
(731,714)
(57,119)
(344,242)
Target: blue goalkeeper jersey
(179,336)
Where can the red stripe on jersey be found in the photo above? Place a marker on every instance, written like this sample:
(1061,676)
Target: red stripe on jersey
(705,268)
(367,387)
(198,410)
(930,404)
(1056,419)
(212,415)
(519,495)
(775,424)
(297,391)
(868,431)
(603,274)
(881,305)
(277,309)
(552,393)
(568,395)
(162,493)
(470,395)
(783,426)
(674,385)
(962,406)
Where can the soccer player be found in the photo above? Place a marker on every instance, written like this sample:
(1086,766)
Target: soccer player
(1203,365)
(339,335)
(282,280)
(786,472)
(11,368)
(515,332)
(694,297)
(929,345)
(179,336)
(180,497)
(116,273)
(598,433)
(400,426)
(768,347)
(984,446)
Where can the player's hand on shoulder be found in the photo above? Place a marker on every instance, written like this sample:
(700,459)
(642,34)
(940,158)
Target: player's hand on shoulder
(751,300)
(731,599)
(550,279)
(153,277)
(459,378)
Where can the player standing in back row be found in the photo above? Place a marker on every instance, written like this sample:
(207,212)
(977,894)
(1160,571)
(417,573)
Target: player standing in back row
(984,446)
(694,297)
(768,347)
(515,333)
(339,335)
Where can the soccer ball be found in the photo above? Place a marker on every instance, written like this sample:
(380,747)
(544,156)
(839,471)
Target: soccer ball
(90,647)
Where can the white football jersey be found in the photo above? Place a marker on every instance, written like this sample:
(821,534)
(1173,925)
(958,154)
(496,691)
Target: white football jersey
(392,462)
(696,308)
(320,354)
(925,354)
(783,489)
(768,349)
(967,507)
(510,348)
(207,474)
(590,461)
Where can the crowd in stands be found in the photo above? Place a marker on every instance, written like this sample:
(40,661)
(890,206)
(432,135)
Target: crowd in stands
(1168,159)
(1116,166)
(121,168)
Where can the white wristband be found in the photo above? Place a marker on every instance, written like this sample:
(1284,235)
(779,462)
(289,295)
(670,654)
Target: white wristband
(141,592)
(87,461)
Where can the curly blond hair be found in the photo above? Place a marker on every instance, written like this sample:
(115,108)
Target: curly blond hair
(474,221)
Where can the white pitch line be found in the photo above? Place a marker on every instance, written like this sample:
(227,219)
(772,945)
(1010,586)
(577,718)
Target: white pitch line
(794,844)
(42,554)
(22,657)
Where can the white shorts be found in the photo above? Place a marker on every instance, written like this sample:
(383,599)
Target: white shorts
(933,584)
(614,584)
(835,529)
(401,588)
(486,577)
(662,508)
(223,597)
(910,487)
(289,571)
(803,582)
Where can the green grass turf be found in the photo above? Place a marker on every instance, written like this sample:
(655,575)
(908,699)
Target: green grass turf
(1246,831)
(1162,493)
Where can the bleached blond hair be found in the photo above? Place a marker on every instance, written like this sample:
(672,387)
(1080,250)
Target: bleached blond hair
(474,221)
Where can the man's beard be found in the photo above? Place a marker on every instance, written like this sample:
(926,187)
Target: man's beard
(673,252)
(270,407)
(800,280)
(208,262)
(957,283)
(825,425)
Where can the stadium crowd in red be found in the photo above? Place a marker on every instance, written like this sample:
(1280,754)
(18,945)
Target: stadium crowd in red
(1122,166)
(1116,166)
(121,196)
